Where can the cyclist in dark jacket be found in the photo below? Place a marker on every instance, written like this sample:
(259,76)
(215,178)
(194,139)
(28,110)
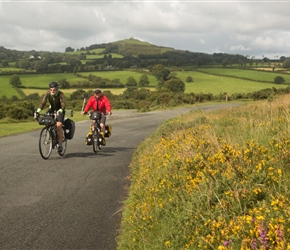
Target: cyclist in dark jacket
(57,103)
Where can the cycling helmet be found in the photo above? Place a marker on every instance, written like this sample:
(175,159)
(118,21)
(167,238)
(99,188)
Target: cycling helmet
(53,85)
(98,91)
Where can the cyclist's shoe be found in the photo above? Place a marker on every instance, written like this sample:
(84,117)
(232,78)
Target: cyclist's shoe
(59,148)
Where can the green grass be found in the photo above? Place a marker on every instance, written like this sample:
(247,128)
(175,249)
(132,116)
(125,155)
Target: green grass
(122,75)
(70,91)
(7,69)
(266,76)
(205,83)
(13,127)
(6,89)
(94,54)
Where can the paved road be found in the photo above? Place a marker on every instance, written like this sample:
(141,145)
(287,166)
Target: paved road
(74,201)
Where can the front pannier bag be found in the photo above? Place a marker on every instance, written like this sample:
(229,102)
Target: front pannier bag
(108,132)
(69,128)
(95,115)
(46,120)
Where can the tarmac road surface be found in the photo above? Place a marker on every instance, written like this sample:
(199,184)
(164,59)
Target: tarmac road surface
(74,201)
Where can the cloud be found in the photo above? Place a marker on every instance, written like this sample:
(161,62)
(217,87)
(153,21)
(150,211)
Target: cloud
(259,27)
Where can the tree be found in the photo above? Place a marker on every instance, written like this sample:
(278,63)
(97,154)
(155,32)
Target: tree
(226,62)
(131,81)
(69,49)
(143,81)
(15,81)
(78,95)
(174,85)
(286,64)
(279,80)
(64,84)
(160,72)
(189,79)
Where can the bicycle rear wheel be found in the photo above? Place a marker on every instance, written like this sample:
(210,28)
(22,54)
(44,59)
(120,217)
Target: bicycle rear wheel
(45,143)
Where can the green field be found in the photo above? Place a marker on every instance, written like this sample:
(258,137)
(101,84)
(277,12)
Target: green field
(202,82)
(10,69)
(94,54)
(205,83)
(69,91)
(258,75)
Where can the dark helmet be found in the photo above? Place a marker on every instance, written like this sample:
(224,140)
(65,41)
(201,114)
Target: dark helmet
(98,91)
(53,85)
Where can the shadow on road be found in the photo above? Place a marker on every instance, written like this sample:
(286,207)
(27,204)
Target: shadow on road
(105,152)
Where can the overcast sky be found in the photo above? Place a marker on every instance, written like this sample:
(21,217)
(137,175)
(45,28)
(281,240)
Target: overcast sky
(255,28)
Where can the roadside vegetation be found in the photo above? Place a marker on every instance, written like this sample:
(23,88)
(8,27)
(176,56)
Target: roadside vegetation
(215,180)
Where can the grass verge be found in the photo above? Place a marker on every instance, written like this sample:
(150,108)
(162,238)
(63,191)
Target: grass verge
(218,181)
(13,127)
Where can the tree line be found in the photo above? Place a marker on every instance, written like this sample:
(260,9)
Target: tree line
(55,62)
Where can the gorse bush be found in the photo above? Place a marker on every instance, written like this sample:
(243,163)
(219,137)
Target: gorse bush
(215,180)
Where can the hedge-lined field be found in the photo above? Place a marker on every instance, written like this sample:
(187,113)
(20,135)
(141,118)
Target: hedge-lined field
(256,75)
(206,83)
(202,82)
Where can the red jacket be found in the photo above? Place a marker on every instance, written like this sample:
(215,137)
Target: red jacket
(103,104)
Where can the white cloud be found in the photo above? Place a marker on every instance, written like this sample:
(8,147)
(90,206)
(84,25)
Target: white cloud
(258,27)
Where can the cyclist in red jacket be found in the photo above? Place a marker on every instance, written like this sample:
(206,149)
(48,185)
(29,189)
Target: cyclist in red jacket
(99,102)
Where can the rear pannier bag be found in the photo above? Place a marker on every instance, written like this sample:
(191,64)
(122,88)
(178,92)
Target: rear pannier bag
(69,128)
(108,131)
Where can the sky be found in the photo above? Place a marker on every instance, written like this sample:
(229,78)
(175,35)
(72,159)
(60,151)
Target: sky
(251,28)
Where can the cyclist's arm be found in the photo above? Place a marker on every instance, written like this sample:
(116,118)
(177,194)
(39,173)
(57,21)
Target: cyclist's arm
(43,102)
(108,105)
(62,102)
(88,106)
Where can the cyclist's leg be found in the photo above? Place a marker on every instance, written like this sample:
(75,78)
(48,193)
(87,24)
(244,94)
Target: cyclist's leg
(103,129)
(59,121)
(93,124)
(103,123)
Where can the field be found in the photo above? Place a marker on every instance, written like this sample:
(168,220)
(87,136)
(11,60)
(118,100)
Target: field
(69,91)
(250,74)
(226,82)
(206,83)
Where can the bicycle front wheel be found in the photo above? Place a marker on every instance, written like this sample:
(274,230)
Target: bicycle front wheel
(45,143)
(95,140)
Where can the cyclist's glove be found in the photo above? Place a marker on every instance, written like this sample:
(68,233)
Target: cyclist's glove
(59,112)
(36,115)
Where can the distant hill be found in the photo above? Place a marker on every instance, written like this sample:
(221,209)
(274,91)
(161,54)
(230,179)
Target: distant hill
(131,47)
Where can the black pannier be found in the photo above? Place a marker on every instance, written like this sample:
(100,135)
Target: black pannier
(69,128)
(46,120)
(95,115)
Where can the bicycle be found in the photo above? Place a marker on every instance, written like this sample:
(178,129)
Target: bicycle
(97,139)
(48,139)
